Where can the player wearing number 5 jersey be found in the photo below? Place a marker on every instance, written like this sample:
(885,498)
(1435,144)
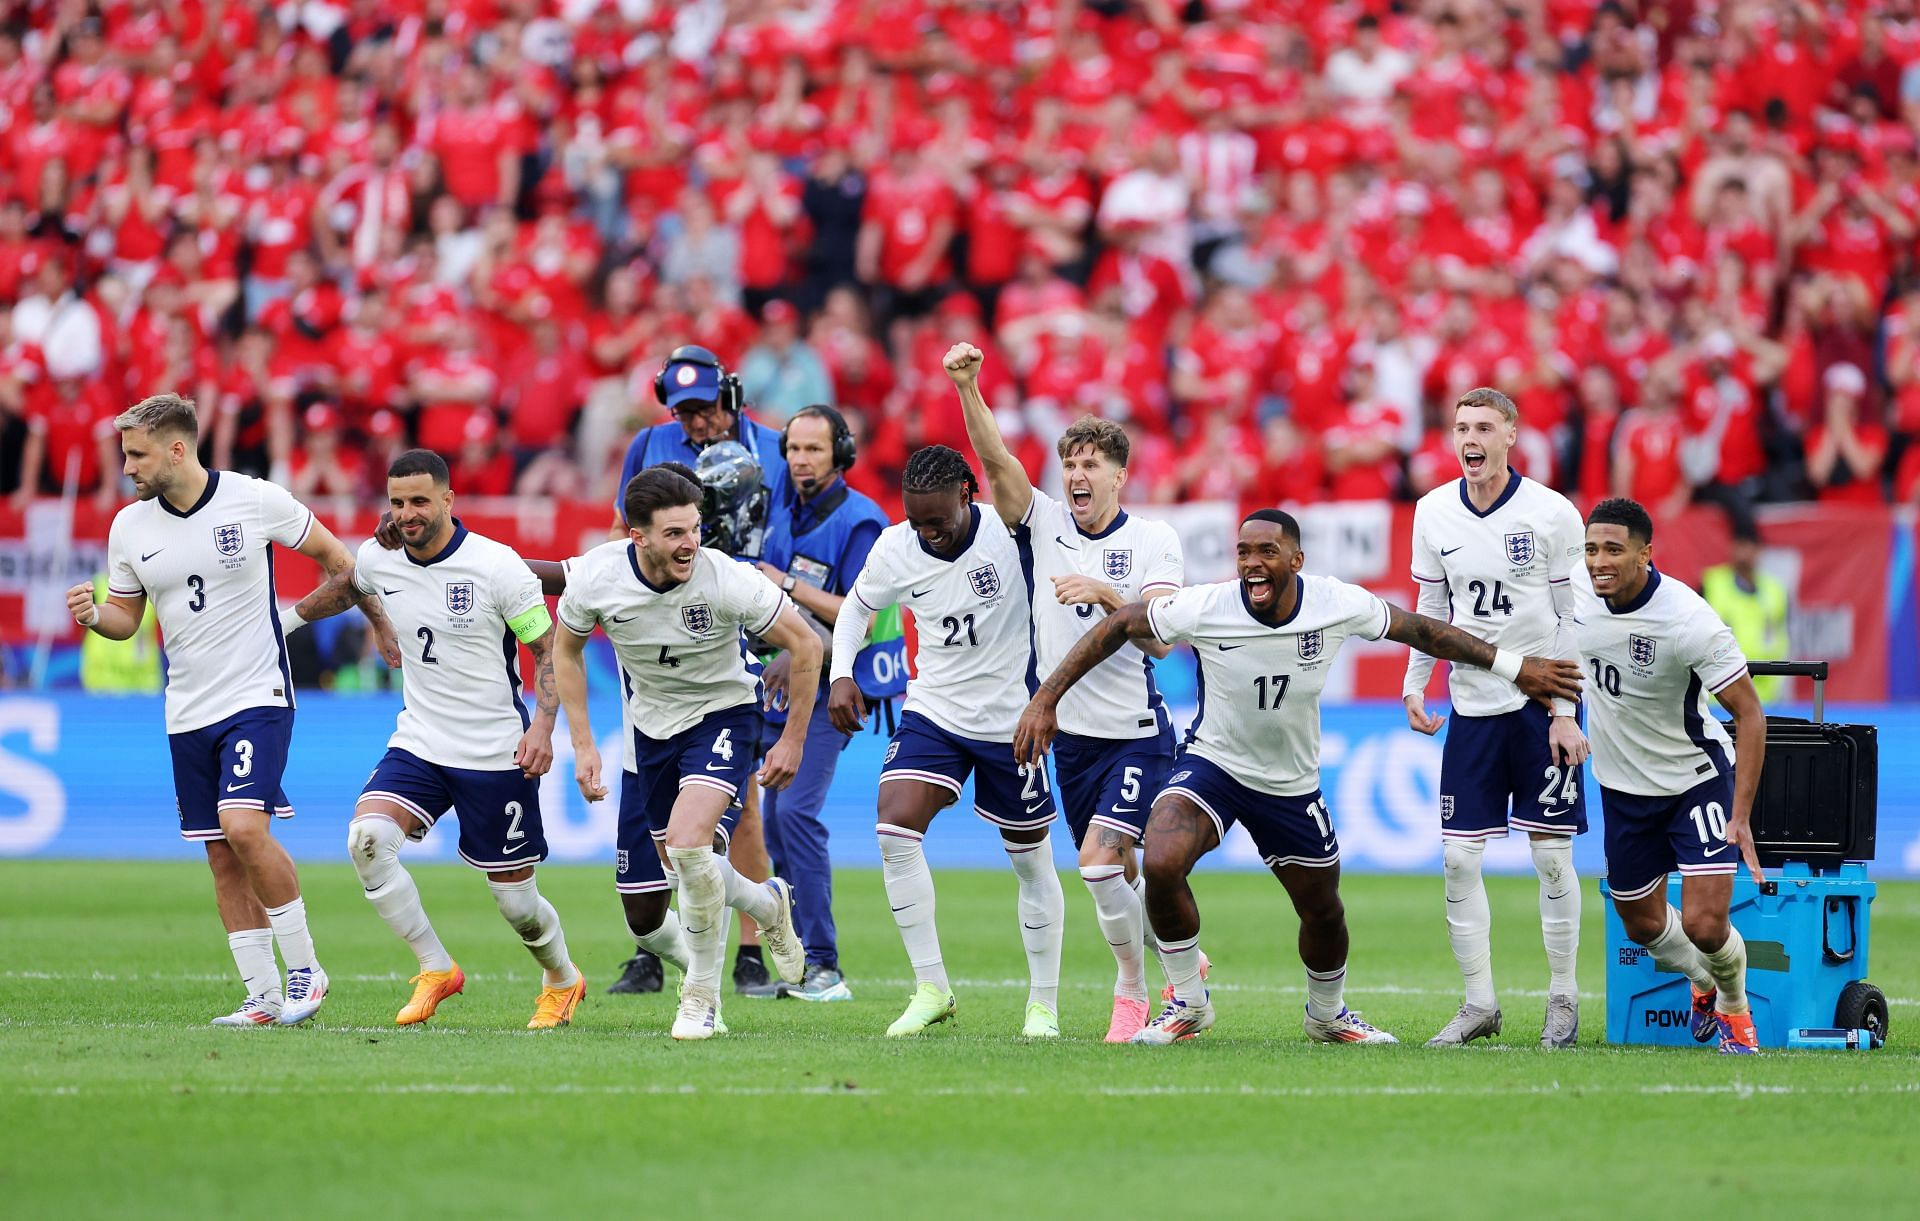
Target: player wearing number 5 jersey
(1492,552)
(1673,793)
(200,544)
(966,579)
(462,605)
(1266,644)
(674,612)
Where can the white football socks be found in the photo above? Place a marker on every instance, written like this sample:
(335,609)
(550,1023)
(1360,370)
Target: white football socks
(1469,921)
(533,918)
(910,893)
(1559,912)
(289,922)
(1147,940)
(747,896)
(1672,950)
(253,955)
(373,845)
(1043,917)
(668,943)
(1116,905)
(703,905)
(1181,961)
(1326,993)
(1729,967)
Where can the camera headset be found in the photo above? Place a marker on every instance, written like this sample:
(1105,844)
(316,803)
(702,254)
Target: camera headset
(728,397)
(844,449)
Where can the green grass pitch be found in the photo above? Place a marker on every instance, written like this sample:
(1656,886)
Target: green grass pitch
(117,1100)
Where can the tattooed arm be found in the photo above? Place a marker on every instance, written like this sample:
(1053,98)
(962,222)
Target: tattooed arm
(535,754)
(1543,678)
(1037,724)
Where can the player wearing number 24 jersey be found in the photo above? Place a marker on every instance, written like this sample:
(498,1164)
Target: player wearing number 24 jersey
(1266,643)
(1674,793)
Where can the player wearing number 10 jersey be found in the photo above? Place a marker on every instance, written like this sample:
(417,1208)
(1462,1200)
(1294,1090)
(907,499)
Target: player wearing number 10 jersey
(1266,644)
(1492,552)
(1673,792)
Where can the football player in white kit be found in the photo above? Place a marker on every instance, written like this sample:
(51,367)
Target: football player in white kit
(200,544)
(1115,745)
(463,604)
(1672,790)
(1493,552)
(1266,645)
(967,580)
(674,612)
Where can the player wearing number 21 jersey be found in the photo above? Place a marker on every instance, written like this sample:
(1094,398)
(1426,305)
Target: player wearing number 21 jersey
(1266,644)
(1673,791)
(964,576)
(675,613)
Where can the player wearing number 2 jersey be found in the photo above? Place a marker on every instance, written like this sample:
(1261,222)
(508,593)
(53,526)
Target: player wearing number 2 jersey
(462,604)
(966,579)
(1673,792)
(200,545)
(1089,559)
(1266,644)
(1492,552)
(674,612)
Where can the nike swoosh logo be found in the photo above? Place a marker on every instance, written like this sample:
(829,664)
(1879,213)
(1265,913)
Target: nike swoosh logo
(1228,648)
(718,767)
(514,849)
(388,593)
(1445,552)
(1327,847)
(1706,855)
(1036,809)
(1035,927)
(625,618)
(149,555)
(1126,810)
(1062,540)
(235,788)
(903,907)
(1456,900)
(921,593)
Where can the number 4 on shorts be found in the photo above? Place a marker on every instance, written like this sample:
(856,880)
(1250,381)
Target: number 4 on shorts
(723,745)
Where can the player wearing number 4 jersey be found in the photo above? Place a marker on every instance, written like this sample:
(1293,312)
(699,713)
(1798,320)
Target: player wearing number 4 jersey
(200,544)
(1266,645)
(674,612)
(1673,793)
(462,605)
(1115,745)
(1492,552)
(967,581)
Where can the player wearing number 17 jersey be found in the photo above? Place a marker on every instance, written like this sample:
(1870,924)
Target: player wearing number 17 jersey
(1266,644)
(200,544)
(1492,552)
(1673,792)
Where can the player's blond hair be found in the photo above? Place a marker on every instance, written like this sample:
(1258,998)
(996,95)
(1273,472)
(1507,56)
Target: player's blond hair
(1107,439)
(1487,396)
(161,413)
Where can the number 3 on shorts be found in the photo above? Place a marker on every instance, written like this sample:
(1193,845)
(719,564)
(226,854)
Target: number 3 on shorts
(244,749)
(723,745)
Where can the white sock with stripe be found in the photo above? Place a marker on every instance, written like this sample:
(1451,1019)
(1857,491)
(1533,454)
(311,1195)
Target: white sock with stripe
(289,922)
(1469,920)
(1672,950)
(373,845)
(1043,917)
(253,955)
(1181,961)
(750,897)
(703,906)
(1559,912)
(527,911)
(903,866)
(668,943)
(1729,967)
(1326,993)
(1116,906)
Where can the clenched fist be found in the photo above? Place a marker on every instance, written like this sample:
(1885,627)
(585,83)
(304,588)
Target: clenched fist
(963,363)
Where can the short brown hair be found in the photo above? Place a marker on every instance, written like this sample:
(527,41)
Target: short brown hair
(658,487)
(161,413)
(1487,396)
(1108,439)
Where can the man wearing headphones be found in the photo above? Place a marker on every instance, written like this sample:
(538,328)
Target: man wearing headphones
(707,406)
(818,536)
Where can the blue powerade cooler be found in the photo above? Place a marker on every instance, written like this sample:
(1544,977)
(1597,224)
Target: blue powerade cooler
(1807,927)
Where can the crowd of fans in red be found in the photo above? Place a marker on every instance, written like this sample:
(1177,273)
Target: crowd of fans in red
(1274,237)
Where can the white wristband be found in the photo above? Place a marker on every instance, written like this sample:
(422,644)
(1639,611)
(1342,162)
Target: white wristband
(290,620)
(1506,664)
(93,616)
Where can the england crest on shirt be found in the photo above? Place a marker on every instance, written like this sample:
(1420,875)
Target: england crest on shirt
(1520,548)
(1640,651)
(229,539)
(698,618)
(985,581)
(1310,645)
(460,597)
(1117,564)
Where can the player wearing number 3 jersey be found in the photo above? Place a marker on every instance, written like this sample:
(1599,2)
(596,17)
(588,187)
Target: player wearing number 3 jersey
(1673,793)
(1266,644)
(966,579)
(675,612)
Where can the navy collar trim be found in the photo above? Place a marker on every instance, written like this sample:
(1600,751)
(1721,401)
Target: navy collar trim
(1119,520)
(1513,485)
(1640,599)
(966,544)
(1299,600)
(633,560)
(453,545)
(213,481)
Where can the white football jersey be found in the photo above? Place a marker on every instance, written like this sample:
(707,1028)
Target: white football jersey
(1499,569)
(1650,667)
(1259,715)
(209,574)
(974,616)
(680,649)
(459,617)
(1118,699)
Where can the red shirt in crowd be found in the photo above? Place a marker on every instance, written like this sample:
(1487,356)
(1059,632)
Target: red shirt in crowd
(907,210)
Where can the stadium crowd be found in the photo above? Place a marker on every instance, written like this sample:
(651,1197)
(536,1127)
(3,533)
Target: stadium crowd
(1275,238)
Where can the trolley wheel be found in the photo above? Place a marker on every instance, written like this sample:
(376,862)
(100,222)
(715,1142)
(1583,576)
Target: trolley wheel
(1862,1007)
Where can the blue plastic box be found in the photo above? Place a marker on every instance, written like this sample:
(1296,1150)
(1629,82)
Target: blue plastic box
(1806,942)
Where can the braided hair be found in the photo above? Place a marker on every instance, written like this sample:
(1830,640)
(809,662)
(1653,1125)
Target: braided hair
(936,468)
